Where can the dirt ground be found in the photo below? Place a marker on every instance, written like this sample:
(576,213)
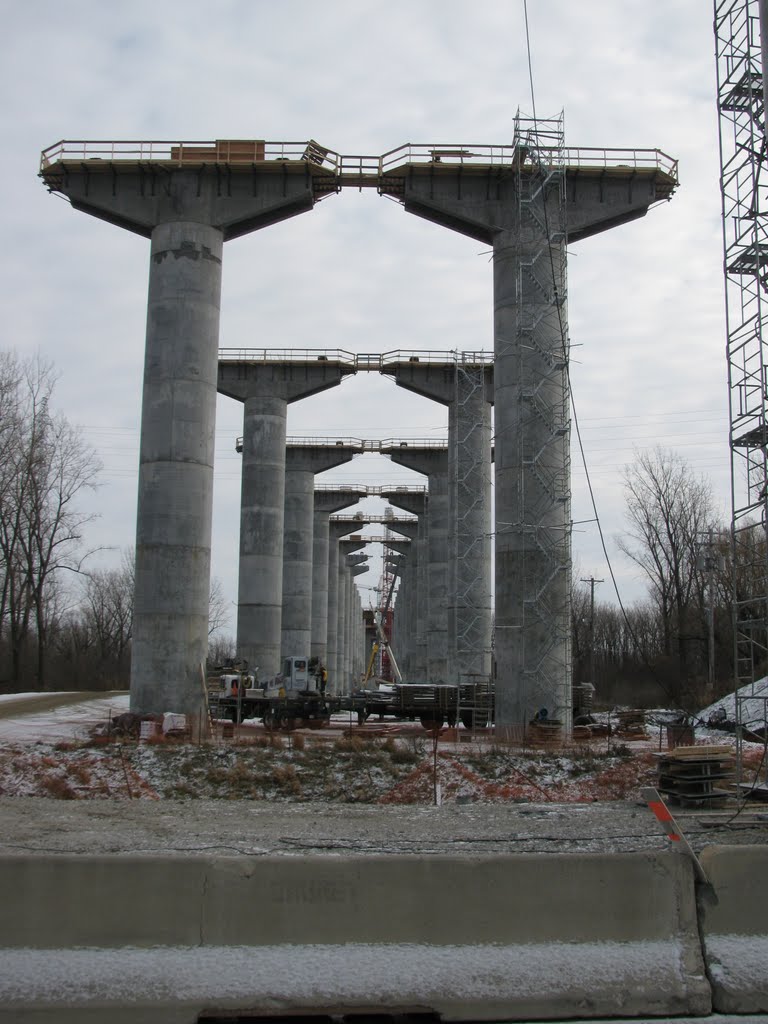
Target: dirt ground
(35,825)
(387,789)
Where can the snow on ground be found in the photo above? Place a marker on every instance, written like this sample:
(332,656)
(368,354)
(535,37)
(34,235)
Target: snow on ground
(69,721)
(751,702)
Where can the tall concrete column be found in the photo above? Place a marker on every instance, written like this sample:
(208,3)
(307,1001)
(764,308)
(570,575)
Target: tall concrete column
(403,615)
(346,547)
(433,462)
(302,463)
(173,521)
(356,565)
(357,633)
(188,210)
(418,532)
(266,384)
(326,502)
(262,500)
(335,532)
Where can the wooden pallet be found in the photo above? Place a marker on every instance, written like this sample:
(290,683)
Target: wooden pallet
(698,776)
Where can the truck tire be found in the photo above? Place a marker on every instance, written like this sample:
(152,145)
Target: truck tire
(362,717)
(432,722)
(474,719)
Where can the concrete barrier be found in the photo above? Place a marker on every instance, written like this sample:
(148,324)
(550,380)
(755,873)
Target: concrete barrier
(502,937)
(733,914)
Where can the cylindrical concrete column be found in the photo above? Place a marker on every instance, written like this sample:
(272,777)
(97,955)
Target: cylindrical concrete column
(470,618)
(260,591)
(173,537)
(320,532)
(437,575)
(342,574)
(532,487)
(333,612)
(297,560)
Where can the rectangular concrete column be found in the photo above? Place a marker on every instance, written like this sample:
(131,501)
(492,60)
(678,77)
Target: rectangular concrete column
(173,528)
(470,615)
(532,469)
(260,590)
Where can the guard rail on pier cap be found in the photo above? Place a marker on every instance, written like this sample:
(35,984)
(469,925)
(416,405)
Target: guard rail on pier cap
(399,356)
(332,170)
(189,153)
(592,158)
(287,355)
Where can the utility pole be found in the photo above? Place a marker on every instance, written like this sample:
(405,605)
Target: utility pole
(592,583)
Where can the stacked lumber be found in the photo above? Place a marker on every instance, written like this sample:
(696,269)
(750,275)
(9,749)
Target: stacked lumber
(697,776)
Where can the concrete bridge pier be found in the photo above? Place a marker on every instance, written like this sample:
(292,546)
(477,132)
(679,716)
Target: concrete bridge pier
(326,502)
(521,209)
(358,631)
(266,384)
(405,612)
(303,461)
(418,532)
(337,603)
(463,382)
(356,565)
(188,216)
(337,530)
(433,462)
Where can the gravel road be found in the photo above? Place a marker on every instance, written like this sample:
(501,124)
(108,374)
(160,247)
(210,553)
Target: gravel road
(45,826)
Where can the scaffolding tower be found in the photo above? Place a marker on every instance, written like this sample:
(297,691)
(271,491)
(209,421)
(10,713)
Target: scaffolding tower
(544,410)
(470,481)
(744,190)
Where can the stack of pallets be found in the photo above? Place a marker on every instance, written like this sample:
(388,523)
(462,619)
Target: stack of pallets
(698,776)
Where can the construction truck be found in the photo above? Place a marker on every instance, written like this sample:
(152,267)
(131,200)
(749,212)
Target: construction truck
(294,697)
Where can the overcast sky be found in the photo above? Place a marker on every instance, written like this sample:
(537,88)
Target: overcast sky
(357,272)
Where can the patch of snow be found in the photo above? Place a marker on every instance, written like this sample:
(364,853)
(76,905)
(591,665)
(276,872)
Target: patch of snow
(68,722)
(738,962)
(752,701)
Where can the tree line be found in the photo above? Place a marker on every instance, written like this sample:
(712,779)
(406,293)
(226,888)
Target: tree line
(63,623)
(677,645)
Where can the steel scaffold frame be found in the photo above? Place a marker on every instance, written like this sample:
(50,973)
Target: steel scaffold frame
(542,284)
(744,194)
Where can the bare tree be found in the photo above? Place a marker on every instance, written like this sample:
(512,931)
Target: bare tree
(668,509)
(45,469)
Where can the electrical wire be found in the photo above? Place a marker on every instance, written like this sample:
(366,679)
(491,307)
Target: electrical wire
(574,416)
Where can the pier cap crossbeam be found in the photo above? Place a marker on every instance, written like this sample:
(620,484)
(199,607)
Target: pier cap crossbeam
(326,171)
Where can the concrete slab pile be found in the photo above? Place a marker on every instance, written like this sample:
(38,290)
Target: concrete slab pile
(150,938)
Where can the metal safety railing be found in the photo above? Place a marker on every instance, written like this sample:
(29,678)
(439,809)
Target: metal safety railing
(288,355)
(353,169)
